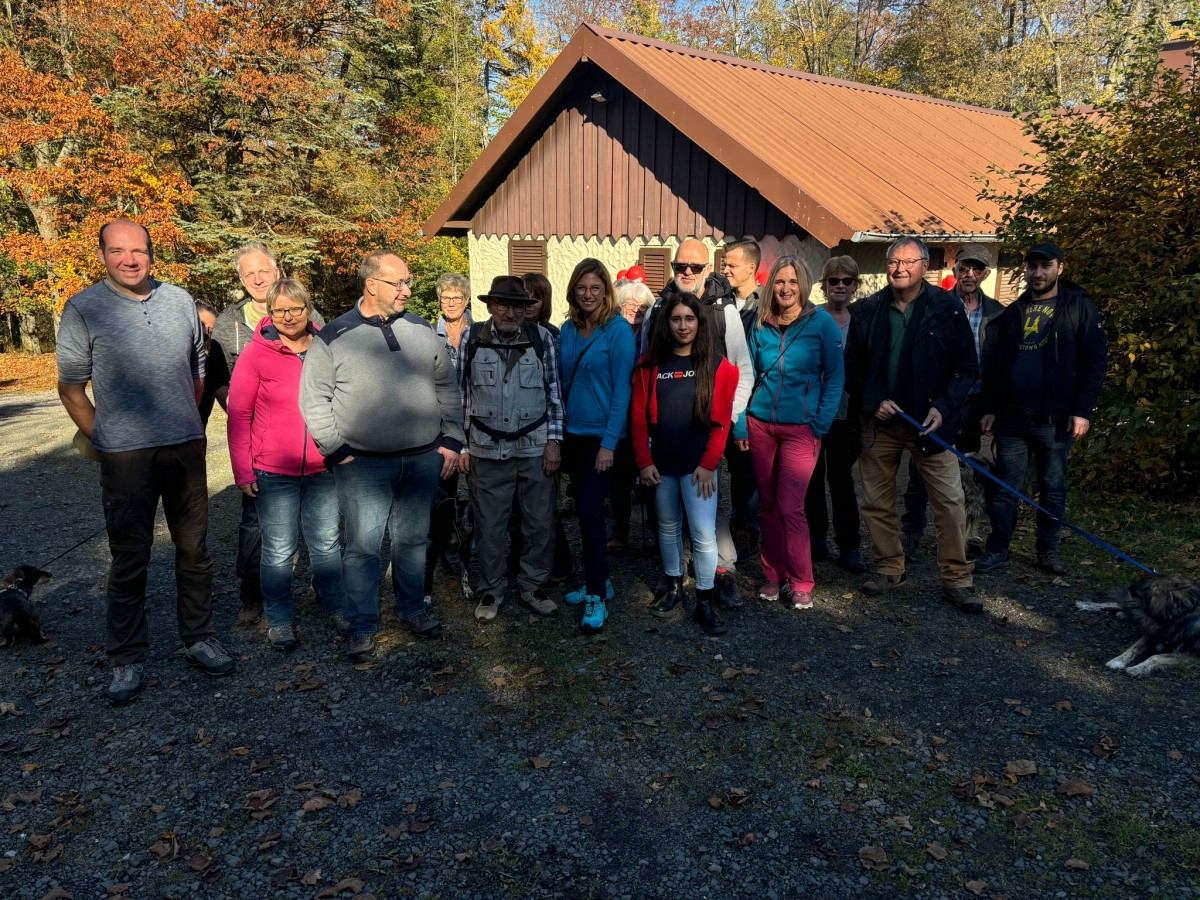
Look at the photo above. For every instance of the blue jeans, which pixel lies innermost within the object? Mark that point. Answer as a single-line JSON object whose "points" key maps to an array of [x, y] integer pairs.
{"points": [[675, 494], [286, 505], [1016, 440], [393, 493]]}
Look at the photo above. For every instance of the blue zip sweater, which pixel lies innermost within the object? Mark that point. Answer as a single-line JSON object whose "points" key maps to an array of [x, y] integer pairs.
{"points": [[798, 373], [597, 401]]}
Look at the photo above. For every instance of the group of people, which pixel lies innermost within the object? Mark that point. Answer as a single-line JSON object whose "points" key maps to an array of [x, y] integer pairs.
{"points": [[345, 431]]}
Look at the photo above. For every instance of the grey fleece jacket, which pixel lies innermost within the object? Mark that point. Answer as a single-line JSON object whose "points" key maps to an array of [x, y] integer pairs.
{"points": [[375, 387]]}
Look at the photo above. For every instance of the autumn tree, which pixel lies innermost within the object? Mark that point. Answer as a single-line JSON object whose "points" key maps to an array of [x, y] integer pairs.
{"points": [[1116, 186]]}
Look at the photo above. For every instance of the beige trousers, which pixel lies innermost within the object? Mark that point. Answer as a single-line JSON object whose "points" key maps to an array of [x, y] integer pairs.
{"points": [[879, 465]]}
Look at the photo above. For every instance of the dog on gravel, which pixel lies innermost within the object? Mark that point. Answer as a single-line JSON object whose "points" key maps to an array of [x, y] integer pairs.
{"points": [[451, 530], [978, 491], [1167, 611], [17, 612]]}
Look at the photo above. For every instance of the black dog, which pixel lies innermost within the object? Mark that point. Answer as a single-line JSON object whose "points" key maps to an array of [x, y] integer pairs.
{"points": [[17, 615], [1167, 610], [451, 527]]}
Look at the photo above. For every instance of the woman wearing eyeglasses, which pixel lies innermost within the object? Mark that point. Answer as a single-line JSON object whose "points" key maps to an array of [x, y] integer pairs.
{"points": [[276, 461], [842, 443], [796, 353], [597, 363]]}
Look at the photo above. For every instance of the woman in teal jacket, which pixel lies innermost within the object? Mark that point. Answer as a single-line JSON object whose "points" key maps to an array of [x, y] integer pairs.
{"points": [[597, 352], [796, 353]]}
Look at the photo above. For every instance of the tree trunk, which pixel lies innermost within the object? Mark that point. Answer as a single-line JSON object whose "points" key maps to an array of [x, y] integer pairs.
{"points": [[30, 343]]}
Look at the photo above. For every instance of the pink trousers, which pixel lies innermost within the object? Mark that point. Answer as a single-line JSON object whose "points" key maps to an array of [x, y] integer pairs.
{"points": [[784, 457]]}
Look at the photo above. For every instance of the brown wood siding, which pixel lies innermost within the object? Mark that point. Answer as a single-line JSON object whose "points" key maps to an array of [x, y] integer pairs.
{"points": [[618, 169]]}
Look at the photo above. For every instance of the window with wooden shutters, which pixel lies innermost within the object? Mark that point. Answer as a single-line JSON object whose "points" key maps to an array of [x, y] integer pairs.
{"points": [[718, 260], [937, 263], [657, 263], [526, 258], [1010, 277]]}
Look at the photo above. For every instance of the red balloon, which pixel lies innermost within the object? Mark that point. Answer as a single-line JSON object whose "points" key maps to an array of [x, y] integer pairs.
{"points": [[949, 282], [636, 273], [760, 277], [624, 273]]}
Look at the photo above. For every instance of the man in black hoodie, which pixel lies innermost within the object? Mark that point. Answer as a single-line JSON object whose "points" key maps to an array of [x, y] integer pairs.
{"points": [[1041, 386]]}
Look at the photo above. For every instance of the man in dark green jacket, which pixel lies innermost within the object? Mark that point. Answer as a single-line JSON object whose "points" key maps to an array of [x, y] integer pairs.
{"points": [[910, 349]]}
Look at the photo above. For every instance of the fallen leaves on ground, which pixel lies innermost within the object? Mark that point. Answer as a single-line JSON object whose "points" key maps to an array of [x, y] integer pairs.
{"points": [[24, 372], [540, 762], [874, 858], [1020, 767], [1076, 787], [352, 885], [1106, 747], [976, 887], [936, 851], [1077, 865]]}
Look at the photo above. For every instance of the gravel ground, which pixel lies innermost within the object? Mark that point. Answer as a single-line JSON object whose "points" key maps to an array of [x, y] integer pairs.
{"points": [[863, 749]]}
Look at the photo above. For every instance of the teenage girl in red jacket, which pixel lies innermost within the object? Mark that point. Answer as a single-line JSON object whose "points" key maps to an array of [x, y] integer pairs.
{"points": [[682, 406]]}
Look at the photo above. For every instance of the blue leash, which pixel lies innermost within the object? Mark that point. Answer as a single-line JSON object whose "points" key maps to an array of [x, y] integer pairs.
{"points": [[1103, 545]]}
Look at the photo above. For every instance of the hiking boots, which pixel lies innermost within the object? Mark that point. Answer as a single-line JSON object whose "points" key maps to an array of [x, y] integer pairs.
{"points": [[210, 656], [991, 561], [282, 637], [251, 611], [820, 551], [360, 647], [538, 603], [424, 625], [964, 598], [852, 561], [704, 615], [126, 684], [580, 594], [668, 596], [729, 594], [488, 608], [882, 584], [1050, 562], [595, 614], [339, 623]]}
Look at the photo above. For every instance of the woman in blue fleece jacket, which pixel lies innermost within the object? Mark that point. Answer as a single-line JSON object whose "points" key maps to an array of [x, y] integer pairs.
{"points": [[597, 352], [796, 354]]}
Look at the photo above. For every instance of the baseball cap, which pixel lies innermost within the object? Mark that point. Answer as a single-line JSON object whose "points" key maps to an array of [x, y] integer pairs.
{"points": [[974, 252], [1045, 251]]}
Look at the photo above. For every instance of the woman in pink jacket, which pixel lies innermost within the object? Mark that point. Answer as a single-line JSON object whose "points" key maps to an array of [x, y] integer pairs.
{"points": [[276, 461]]}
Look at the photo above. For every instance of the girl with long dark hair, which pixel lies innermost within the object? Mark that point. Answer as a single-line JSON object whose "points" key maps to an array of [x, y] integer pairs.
{"points": [[682, 406]]}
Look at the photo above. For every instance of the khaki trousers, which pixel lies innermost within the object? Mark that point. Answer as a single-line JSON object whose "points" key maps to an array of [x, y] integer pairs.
{"points": [[879, 465]]}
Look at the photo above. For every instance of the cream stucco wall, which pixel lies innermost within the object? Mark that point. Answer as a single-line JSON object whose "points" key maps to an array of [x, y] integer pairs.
{"points": [[489, 258]]}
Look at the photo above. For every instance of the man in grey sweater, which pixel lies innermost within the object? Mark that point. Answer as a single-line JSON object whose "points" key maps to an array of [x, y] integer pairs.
{"points": [[146, 426], [381, 401]]}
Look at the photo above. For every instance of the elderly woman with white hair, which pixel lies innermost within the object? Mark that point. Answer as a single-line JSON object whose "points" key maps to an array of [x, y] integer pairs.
{"points": [[633, 299]]}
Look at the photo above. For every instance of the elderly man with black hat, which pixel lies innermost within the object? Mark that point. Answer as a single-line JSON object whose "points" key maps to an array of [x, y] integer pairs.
{"points": [[972, 264], [512, 408], [1041, 385]]}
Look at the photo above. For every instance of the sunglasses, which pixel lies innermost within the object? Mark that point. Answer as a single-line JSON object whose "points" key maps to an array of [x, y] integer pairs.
{"points": [[846, 280], [688, 268]]}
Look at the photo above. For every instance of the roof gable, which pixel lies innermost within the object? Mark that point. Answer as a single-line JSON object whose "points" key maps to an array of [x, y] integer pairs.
{"points": [[840, 158]]}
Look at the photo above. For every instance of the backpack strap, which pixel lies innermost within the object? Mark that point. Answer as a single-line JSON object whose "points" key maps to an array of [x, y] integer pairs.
{"points": [[533, 337]]}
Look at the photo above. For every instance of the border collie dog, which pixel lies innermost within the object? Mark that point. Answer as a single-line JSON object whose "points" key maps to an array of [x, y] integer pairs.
{"points": [[1166, 610]]}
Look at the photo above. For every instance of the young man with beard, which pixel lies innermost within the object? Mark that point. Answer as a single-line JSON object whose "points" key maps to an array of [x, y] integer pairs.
{"points": [[1041, 386]]}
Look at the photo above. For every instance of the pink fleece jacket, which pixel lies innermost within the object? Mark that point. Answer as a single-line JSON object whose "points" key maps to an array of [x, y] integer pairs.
{"points": [[266, 430]]}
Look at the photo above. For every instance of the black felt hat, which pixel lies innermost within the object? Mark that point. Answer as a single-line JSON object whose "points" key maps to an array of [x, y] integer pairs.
{"points": [[509, 289]]}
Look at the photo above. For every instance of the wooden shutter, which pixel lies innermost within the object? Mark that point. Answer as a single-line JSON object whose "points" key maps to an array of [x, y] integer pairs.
{"points": [[718, 260], [526, 258], [1010, 277], [937, 264], [657, 263]]}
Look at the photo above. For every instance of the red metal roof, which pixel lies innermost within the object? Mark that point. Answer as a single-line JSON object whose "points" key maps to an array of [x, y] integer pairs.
{"points": [[839, 158]]}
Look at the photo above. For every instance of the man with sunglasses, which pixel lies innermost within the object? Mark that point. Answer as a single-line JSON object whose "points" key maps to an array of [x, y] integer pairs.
{"points": [[910, 349], [257, 270], [693, 275], [972, 265], [380, 398]]}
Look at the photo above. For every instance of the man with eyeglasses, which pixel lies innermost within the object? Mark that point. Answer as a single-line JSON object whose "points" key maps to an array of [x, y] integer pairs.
{"points": [[691, 268], [140, 343], [380, 398], [1041, 385], [972, 265], [513, 414], [257, 270], [910, 349]]}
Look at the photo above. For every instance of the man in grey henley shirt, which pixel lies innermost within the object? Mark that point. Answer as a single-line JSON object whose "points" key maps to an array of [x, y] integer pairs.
{"points": [[140, 343], [380, 398]]}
